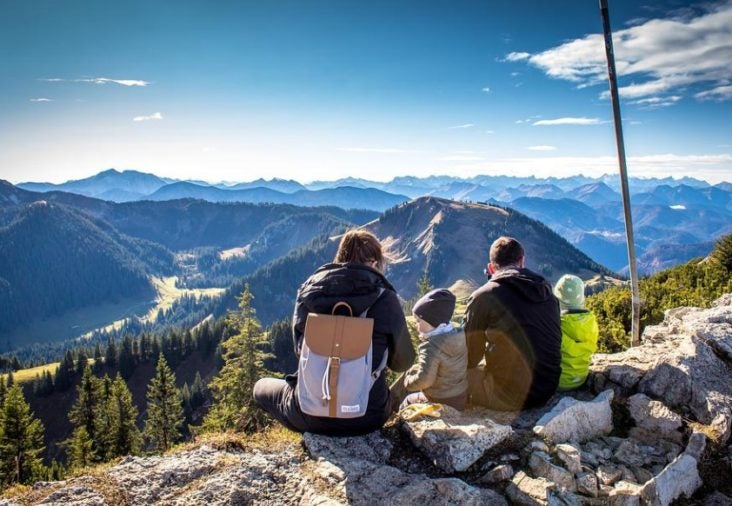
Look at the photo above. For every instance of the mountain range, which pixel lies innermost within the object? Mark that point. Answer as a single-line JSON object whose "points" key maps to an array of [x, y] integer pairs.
{"points": [[447, 240], [674, 219], [274, 247]]}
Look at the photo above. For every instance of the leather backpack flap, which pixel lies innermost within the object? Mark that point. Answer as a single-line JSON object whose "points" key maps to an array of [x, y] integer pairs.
{"points": [[345, 337]]}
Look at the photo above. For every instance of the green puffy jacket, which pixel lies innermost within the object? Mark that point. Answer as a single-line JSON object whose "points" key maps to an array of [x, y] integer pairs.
{"points": [[579, 342]]}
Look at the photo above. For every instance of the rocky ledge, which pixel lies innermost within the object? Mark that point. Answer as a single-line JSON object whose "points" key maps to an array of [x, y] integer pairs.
{"points": [[652, 426]]}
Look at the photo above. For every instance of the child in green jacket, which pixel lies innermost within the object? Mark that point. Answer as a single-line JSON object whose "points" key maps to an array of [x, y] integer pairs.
{"points": [[579, 332]]}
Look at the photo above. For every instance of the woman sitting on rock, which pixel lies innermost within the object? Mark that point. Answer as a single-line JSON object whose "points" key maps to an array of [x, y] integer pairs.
{"points": [[355, 277]]}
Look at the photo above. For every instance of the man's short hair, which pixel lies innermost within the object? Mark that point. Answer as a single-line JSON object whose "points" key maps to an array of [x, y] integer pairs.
{"points": [[506, 251]]}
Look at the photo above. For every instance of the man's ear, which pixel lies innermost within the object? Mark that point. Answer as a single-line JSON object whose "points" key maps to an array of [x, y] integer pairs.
{"points": [[522, 262], [491, 268]]}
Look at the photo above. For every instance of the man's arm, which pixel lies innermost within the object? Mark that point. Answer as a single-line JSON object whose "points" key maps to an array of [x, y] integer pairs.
{"points": [[476, 321]]}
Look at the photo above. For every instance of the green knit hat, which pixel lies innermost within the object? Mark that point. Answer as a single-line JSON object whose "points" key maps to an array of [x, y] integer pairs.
{"points": [[570, 290]]}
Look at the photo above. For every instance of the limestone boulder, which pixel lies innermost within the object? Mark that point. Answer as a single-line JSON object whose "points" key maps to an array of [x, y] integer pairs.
{"points": [[455, 440], [573, 420]]}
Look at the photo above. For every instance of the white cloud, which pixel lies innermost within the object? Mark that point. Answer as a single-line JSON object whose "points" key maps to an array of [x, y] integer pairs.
{"points": [[41, 99], [153, 116], [655, 102], [567, 121], [122, 82], [491, 132], [659, 55], [678, 207], [718, 93], [542, 147], [462, 158], [517, 56], [486, 89], [372, 150], [466, 125], [99, 80]]}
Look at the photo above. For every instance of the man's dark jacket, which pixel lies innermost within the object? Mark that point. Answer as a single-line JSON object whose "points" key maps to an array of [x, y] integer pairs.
{"points": [[359, 286], [514, 321]]}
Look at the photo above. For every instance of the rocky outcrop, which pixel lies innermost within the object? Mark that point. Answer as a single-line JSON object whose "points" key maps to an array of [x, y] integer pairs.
{"points": [[684, 362], [637, 435]]}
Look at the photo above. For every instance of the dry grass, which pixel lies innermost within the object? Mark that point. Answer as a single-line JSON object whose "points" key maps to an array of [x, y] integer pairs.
{"points": [[273, 439]]}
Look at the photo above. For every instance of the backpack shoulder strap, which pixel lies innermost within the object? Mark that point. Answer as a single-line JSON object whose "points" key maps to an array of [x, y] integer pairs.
{"points": [[381, 292]]}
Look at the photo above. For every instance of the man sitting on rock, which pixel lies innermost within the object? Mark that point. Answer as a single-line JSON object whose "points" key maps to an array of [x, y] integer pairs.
{"points": [[513, 322]]}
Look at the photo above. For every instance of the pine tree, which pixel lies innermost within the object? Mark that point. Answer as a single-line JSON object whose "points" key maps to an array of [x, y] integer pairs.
{"points": [[123, 435], [21, 440], [98, 359], [198, 391], [86, 410], [126, 357], [424, 285], [164, 408], [81, 361], [243, 366], [80, 448], [110, 354], [3, 390], [723, 252]]}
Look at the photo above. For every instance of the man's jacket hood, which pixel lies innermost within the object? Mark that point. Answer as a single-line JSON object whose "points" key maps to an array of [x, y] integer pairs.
{"points": [[530, 285]]}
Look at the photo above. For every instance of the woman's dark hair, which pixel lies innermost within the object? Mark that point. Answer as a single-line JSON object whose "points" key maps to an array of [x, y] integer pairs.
{"points": [[361, 247]]}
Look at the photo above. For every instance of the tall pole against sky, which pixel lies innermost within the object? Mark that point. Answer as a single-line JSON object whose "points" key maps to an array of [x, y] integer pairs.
{"points": [[615, 100]]}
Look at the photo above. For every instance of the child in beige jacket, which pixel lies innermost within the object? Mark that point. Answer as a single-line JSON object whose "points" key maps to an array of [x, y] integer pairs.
{"points": [[440, 374]]}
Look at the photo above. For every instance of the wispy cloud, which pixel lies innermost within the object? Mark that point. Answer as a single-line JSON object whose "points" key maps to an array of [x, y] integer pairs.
{"points": [[41, 99], [466, 125], [718, 93], [486, 89], [689, 52], [151, 117], [655, 102], [541, 147], [372, 150], [99, 80], [462, 158], [516, 56], [567, 121], [490, 132]]}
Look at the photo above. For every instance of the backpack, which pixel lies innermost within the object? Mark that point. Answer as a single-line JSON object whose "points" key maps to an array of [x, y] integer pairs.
{"points": [[334, 371]]}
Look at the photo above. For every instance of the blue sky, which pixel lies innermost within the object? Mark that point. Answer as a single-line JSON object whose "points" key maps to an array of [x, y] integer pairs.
{"points": [[233, 91]]}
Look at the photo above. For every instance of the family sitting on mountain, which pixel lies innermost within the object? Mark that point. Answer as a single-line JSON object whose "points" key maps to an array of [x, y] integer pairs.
{"points": [[520, 341]]}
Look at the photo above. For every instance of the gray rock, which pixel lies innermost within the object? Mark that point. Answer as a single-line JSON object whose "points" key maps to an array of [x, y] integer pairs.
{"points": [[717, 499], [498, 474], [627, 475], [680, 478], [573, 420], [609, 475], [625, 494], [589, 458], [642, 475], [455, 440], [587, 484], [630, 454], [528, 491], [696, 445], [563, 497], [373, 447], [570, 457], [541, 465], [654, 416], [537, 446]]}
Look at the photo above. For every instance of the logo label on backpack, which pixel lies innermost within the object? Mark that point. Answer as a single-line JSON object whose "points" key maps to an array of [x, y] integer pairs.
{"points": [[351, 409]]}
